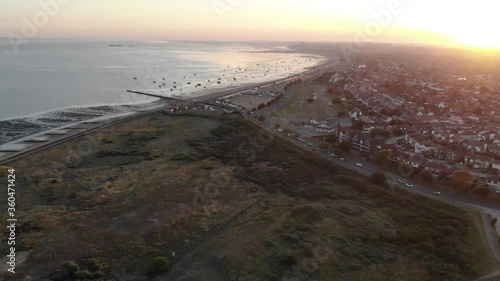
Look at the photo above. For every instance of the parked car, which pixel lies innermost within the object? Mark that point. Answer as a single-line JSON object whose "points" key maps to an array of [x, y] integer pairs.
{"points": [[359, 164], [437, 193], [408, 185], [341, 158]]}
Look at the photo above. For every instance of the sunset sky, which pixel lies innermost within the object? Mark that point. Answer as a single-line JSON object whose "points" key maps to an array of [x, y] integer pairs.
{"points": [[469, 23]]}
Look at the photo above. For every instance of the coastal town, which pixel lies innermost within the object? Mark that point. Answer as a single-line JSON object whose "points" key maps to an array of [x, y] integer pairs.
{"points": [[430, 120]]}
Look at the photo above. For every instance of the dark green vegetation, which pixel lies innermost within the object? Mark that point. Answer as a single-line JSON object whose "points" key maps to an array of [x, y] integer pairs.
{"points": [[234, 203]]}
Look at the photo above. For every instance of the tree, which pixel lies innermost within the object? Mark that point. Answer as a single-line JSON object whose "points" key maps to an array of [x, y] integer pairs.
{"points": [[261, 106], [385, 134], [384, 157], [261, 118], [426, 176], [375, 132], [336, 101], [310, 100], [341, 114], [277, 126], [324, 146], [405, 169], [461, 179], [345, 146]]}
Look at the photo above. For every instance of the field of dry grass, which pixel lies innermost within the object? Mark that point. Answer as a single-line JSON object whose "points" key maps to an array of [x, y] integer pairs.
{"points": [[223, 200]]}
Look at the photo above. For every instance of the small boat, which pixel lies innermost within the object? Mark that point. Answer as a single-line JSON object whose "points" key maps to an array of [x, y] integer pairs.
{"points": [[135, 78]]}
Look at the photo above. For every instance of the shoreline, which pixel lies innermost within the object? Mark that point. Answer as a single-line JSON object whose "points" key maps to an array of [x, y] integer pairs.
{"points": [[28, 145]]}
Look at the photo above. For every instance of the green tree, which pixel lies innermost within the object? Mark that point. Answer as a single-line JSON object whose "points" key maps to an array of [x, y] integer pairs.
{"points": [[385, 134], [384, 157], [261, 118], [461, 179], [426, 176], [374, 133], [405, 169]]}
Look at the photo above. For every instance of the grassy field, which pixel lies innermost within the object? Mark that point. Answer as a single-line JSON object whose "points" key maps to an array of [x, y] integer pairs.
{"points": [[300, 108], [221, 199]]}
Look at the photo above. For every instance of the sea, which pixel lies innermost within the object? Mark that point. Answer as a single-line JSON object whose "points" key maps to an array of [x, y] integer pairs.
{"points": [[51, 83]]}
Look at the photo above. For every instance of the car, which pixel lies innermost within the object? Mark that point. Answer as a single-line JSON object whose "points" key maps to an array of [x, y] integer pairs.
{"points": [[437, 193], [359, 164], [333, 155], [408, 185], [310, 144], [402, 181], [341, 158]]}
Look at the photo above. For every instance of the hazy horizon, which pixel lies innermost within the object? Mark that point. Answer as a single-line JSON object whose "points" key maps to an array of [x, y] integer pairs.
{"points": [[464, 24]]}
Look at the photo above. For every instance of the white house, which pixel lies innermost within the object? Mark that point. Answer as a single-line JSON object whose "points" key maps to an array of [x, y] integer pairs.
{"points": [[493, 182]]}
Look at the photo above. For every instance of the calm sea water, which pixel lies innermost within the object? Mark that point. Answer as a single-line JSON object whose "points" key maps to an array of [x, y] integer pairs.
{"points": [[51, 83]]}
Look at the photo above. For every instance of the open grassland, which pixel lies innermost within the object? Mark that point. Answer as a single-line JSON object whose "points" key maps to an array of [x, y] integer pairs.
{"points": [[299, 107], [234, 203]]}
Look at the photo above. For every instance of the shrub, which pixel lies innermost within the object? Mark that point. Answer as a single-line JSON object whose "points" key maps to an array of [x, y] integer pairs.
{"points": [[83, 275], [159, 265], [71, 266]]}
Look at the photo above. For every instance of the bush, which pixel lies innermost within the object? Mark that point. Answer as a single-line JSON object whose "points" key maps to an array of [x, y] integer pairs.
{"points": [[71, 267], [83, 275], [159, 265]]}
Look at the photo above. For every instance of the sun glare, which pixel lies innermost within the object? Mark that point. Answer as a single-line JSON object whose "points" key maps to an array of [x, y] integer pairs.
{"points": [[474, 27]]}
